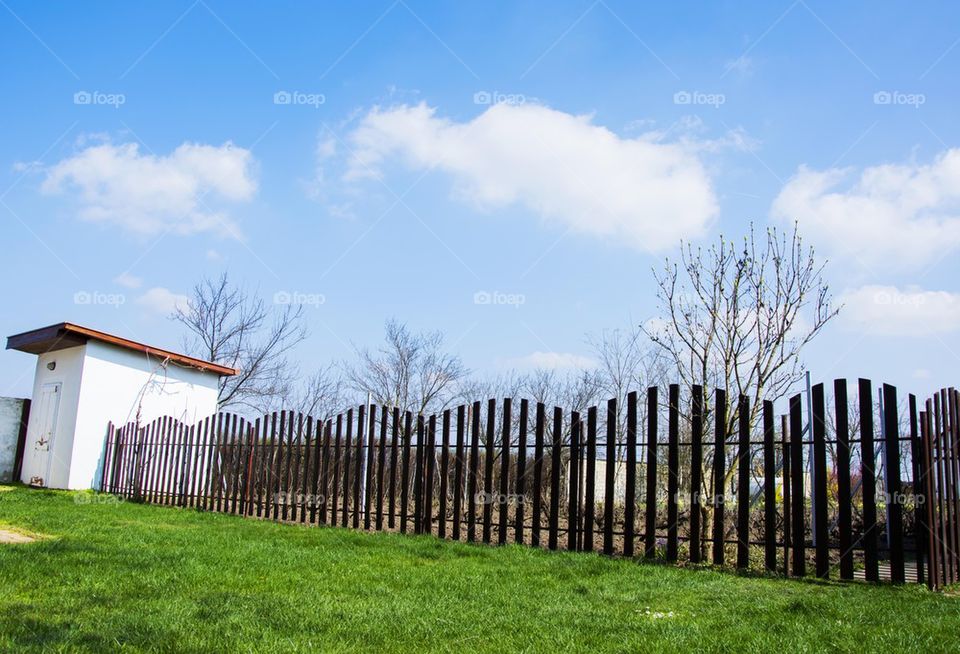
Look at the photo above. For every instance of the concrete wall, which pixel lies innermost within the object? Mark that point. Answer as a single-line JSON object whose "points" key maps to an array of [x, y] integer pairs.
{"points": [[103, 383], [11, 413]]}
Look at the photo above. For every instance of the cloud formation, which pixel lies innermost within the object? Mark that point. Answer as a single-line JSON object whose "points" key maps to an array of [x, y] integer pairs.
{"points": [[162, 301], [891, 311], [552, 361], [149, 194], [643, 191], [904, 216]]}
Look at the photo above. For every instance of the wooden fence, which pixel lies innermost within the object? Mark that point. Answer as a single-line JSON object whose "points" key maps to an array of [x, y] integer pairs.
{"points": [[844, 493]]}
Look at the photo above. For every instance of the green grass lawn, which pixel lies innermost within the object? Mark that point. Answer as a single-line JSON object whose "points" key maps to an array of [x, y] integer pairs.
{"points": [[125, 576]]}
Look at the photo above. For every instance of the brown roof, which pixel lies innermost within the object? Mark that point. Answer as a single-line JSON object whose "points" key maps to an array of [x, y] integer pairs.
{"points": [[65, 334]]}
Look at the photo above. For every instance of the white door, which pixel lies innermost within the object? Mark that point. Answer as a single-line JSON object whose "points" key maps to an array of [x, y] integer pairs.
{"points": [[43, 429]]}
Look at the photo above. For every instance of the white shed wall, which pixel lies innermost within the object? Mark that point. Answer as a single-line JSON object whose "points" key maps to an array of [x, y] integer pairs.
{"points": [[117, 385]]}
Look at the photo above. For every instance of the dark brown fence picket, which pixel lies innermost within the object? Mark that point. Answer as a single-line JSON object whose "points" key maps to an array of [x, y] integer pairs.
{"points": [[537, 474], [504, 505], [630, 483], [555, 456], [769, 490], [474, 472], [822, 546], [696, 472], [743, 482], [521, 473], [673, 471], [444, 474], [798, 510], [490, 450], [650, 518], [458, 466], [590, 500], [573, 485], [868, 482], [894, 490], [719, 472]]}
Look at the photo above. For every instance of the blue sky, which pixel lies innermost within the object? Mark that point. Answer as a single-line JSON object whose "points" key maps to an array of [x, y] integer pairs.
{"points": [[398, 158]]}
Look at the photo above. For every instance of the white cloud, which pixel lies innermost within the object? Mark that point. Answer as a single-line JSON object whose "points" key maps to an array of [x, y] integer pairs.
{"points": [[643, 191], [162, 301], [128, 280], [910, 312], [148, 194], [900, 215], [552, 361]]}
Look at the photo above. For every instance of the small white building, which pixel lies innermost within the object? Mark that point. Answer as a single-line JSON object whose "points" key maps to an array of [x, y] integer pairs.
{"points": [[86, 379]]}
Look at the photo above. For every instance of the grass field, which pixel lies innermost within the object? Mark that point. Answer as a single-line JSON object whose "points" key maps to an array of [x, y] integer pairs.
{"points": [[107, 576]]}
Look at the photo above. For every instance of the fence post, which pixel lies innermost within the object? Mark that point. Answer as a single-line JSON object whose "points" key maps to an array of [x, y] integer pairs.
{"points": [[405, 470], [919, 513], [796, 457], [650, 522], [474, 472], [521, 472], [630, 490], [107, 460], [430, 460], [929, 487], [444, 473], [845, 501], [952, 435], [743, 483], [394, 462], [696, 471], [537, 474], [673, 470], [335, 480], [418, 479], [503, 514], [369, 463], [719, 472], [894, 488], [381, 463], [769, 490], [820, 482], [787, 499], [868, 483], [555, 454], [458, 471], [610, 470], [590, 494], [488, 469], [573, 510]]}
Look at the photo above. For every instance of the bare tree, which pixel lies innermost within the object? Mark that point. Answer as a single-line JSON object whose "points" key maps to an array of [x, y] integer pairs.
{"points": [[737, 317], [411, 371], [228, 325]]}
